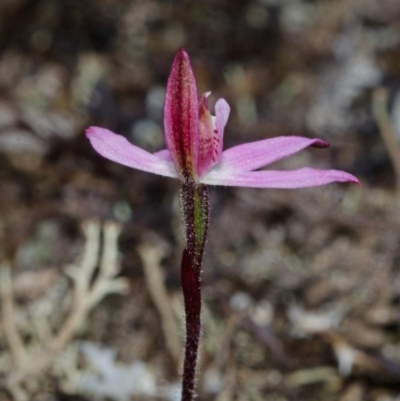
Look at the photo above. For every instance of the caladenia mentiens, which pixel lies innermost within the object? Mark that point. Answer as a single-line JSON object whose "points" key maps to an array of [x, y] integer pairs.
{"points": [[193, 154]]}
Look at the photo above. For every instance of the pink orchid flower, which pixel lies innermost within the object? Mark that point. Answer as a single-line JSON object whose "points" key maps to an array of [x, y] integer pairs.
{"points": [[194, 141]]}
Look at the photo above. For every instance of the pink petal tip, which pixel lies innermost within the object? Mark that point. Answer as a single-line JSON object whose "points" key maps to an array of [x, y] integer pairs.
{"points": [[319, 143]]}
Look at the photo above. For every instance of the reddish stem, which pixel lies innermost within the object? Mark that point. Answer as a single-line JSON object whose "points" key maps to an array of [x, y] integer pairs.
{"points": [[192, 297], [194, 201]]}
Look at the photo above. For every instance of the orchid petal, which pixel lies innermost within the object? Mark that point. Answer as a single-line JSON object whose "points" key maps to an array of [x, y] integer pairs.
{"points": [[254, 155], [222, 111], [118, 149], [164, 154], [304, 177], [181, 116]]}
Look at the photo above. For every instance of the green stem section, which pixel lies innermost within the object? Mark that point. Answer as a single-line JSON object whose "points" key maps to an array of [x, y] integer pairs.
{"points": [[194, 201]]}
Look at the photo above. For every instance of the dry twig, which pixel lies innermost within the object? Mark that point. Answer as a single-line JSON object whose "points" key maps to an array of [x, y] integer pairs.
{"points": [[13, 338], [383, 120], [151, 257], [86, 295]]}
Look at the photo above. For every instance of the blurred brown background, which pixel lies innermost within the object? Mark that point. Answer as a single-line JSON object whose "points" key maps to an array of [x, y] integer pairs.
{"points": [[301, 287]]}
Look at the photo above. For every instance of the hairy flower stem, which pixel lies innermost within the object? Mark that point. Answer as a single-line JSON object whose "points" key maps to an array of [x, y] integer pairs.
{"points": [[194, 201]]}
